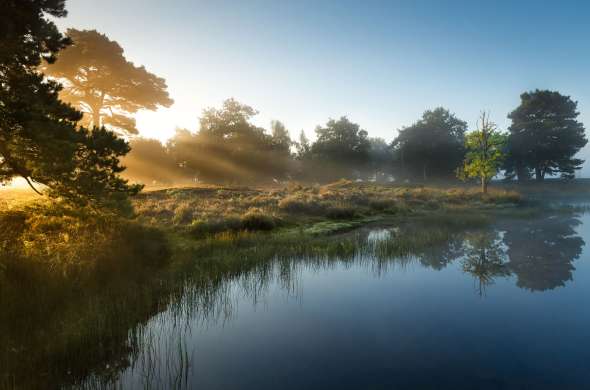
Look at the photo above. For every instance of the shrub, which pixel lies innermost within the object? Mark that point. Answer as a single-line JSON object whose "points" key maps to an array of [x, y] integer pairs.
{"points": [[302, 205], [381, 204], [256, 219], [206, 227], [341, 212]]}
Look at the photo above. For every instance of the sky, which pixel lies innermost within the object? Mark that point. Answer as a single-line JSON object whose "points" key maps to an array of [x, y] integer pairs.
{"points": [[380, 63]]}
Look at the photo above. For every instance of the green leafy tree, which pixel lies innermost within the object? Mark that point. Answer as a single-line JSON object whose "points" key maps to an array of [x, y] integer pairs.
{"points": [[432, 147], [103, 84], [39, 137], [545, 136], [484, 152]]}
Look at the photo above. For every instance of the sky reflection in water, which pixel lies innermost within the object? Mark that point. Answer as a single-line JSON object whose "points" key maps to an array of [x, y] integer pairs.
{"points": [[501, 307]]}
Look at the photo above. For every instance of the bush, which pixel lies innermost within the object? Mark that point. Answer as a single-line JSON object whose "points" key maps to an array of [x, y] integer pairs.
{"points": [[302, 205], [206, 227], [341, 212], [255, 219], [381, 204]]}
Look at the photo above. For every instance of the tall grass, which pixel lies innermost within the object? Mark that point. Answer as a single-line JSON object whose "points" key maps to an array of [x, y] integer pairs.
{"points": [[210, 210]]}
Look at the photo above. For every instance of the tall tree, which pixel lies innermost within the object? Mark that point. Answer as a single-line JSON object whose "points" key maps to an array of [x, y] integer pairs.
{"points": [[39, 137], [342, 147], [103, 84], [341, 140], [432, 147], [545, 135], [484, 152]]}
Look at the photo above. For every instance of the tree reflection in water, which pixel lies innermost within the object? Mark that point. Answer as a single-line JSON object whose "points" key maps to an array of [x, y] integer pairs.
{"points": [[541, 251], [484, 258], [144, 332]]}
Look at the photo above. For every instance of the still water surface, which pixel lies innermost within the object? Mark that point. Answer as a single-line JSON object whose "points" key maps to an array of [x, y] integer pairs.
{"points": [[505, 307]]}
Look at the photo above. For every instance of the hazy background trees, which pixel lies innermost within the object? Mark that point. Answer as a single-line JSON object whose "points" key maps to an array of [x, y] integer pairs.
{"points": [[341, 150], [228, 148], [103, 84], [76, 153], [431, 148]]}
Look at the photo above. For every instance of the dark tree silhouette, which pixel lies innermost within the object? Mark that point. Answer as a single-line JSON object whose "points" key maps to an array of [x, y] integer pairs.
{"points": [[432, 147], [39, 140], [340, 150], [545, 136], [341, 140], [106, 87]]}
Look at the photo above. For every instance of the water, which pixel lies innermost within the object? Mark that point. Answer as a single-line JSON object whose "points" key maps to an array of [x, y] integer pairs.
{"points": [[501, 307]]}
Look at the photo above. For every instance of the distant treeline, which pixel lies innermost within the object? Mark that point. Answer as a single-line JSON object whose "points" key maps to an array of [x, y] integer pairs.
{"points": [[67, 119], [542, 140]]}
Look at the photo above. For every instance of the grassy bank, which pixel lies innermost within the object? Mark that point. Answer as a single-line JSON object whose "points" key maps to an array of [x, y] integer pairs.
{"points": [[77, 287], [67, 327], [208, 210], [69, 240]]}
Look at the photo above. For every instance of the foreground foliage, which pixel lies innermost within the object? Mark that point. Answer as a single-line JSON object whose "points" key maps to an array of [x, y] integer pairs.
{"points": [[40, 140]]}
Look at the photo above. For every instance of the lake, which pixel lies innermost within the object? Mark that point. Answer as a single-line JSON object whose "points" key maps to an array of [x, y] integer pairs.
{"points": [[498, 307]]}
